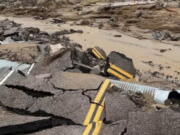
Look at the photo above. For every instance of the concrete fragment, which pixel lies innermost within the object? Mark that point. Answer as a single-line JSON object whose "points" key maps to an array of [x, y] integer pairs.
{"points": [[76, 81], [55, 48], [120, 60]]}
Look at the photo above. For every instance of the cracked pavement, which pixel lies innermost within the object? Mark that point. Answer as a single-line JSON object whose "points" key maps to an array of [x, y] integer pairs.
{"points": [[64, 108]]}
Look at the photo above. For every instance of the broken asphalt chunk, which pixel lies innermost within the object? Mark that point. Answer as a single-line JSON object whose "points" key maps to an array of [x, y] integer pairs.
{"points": [[16, 124], [118, 105], [34, 84], [60, 61], [120, 66], [71, 105], [98, 52], [63, 130], [165, 122], [11, 32], [13, 98], [76, 81]]}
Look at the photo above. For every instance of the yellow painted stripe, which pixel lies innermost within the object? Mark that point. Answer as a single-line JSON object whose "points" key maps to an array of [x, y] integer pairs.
{"points": [[116, 74], [99, 53], [89, 114], [121, 71], [97, 128], [96, 54], [99, 112], [97, 99], [102, 90], [87, 130]]}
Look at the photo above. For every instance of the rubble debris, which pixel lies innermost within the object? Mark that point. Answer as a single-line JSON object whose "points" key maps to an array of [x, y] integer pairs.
{"points": [[71, 31], [162, 35], [22, 52], [98, 52], [44, 50], [17, 33], [120, 66], [57, 21], [84, 57], [122, 61], [165, 50], [60, 61], [118, 36], [110, 66]]}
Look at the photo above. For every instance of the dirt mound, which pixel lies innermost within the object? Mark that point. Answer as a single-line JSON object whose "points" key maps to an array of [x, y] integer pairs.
{"points": [[19, 52]]}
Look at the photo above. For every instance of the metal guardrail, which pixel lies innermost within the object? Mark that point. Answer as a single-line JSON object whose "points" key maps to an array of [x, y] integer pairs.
{"points": [[7, 68], [159, 95]]}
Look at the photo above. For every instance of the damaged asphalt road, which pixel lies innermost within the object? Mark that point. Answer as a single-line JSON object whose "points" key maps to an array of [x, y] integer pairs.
{"points": [[64, 111], [70, 86], [56, 97], [115, 122]]}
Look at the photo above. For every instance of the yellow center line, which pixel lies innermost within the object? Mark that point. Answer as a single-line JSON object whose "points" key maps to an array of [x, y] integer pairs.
{"points": [[89, 114], [98, 53], [87, 130], [99, 112], [102, 90], [96, 120], [97, 99], [116, 74], [97, 128], [121, 71]]}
